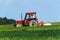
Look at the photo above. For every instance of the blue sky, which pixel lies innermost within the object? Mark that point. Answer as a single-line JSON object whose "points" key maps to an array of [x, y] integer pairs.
{"points": [[47, 10]]}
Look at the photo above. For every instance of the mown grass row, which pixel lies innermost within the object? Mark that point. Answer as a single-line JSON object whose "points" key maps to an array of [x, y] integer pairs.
{"points": [[39, 33], [12, 28], [32, 33]]}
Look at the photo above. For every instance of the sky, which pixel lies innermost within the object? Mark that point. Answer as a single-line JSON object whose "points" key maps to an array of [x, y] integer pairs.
{"points": [[47, 10]]}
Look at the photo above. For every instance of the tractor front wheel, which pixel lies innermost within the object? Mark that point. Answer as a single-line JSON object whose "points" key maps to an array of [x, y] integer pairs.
{"points": [[33, 23], [19, 25]]}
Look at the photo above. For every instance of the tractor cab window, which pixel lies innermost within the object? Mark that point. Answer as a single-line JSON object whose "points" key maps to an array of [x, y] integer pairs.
{"points": [[32, 16], [29, 16], [26, 16]]}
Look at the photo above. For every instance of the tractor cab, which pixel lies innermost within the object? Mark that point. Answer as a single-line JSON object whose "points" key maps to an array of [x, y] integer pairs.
{"points": [[30, 16]]}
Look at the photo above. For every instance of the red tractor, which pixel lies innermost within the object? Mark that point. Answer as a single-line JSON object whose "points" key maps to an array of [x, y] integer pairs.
{"points": [[29, 20]]}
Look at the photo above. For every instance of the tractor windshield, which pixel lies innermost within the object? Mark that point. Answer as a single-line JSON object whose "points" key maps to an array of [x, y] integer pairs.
{"points": [[30, 16]]}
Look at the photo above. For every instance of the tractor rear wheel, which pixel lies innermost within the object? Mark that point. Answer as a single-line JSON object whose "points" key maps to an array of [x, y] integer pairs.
{"points": [[19, 25], [33, 23]]}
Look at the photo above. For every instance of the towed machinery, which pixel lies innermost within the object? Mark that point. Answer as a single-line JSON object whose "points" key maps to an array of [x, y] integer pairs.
{"points": [[29, 20]]}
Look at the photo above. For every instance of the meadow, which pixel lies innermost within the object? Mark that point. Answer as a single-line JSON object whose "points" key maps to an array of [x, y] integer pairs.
{"points": [[9, 32]]}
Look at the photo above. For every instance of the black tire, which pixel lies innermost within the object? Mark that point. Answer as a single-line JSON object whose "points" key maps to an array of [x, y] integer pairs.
{"points": [[14, 25], [33, 23]]}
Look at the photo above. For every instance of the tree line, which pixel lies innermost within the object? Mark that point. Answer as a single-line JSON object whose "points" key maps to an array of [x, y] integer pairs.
{"points": [[5, 20]]}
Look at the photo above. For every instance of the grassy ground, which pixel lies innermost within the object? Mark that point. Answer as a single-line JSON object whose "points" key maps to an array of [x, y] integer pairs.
{"points": [[8, 32]]}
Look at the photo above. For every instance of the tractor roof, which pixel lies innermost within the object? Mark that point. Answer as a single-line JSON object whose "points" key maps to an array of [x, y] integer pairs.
{"points": [[30, 12]]}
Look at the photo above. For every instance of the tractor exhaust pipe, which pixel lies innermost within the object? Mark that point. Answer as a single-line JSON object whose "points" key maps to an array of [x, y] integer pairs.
{"points": [[21, 16]]}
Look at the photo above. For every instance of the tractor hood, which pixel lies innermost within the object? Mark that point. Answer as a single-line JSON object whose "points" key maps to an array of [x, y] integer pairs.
{"points": [[19, 21]]}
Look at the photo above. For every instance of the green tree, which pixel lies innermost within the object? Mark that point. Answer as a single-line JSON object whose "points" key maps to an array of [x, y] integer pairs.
{"points": [[5, 20]]}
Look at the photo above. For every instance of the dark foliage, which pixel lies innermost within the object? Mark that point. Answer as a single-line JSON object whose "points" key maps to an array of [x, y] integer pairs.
{"points": [[5, 20]]}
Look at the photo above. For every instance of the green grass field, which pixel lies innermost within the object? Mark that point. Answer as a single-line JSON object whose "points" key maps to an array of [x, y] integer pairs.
{"points": [[8, 32]]}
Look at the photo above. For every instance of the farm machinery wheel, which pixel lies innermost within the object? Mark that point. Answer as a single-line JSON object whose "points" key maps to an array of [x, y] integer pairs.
{"points": [[33, 23], [19, 25]]}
